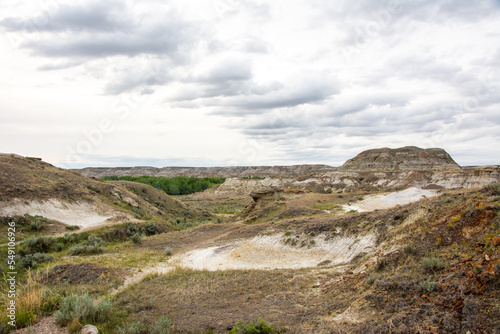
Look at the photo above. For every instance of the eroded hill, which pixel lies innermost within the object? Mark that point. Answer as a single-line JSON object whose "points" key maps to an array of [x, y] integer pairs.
{"points": [[378, 168], [31, 186]]}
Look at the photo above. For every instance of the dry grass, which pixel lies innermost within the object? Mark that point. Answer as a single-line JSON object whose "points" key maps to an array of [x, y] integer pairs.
{"points": [[199, 300], [33, 299]]}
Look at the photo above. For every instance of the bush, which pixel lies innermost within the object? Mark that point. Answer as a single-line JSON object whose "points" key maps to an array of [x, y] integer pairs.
{"points": [[493, 189], [427, 286], [168, 251], [432, 264], [93, 245], [179, 185], [71, 238], [132, 229], [410, 249], [161, 326], [37, 225], [33, 260], [72, 227], [250, 328], [373, 278], [151, 228], [43, 244], [83, 309], [133, 328], [136, 238]]}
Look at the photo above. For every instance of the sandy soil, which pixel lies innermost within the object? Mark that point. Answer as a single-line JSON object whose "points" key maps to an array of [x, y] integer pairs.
{"points": [[45, 326], [270, 252], [81, 214], [391, 200]]}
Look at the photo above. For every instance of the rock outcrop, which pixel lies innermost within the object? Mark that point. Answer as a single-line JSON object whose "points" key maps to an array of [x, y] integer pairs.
{"points": [[233, 171], [401, 159], [403, 167]]}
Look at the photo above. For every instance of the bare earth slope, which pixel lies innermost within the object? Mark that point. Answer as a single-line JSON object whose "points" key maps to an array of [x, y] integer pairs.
{"points": [[31, 186]]}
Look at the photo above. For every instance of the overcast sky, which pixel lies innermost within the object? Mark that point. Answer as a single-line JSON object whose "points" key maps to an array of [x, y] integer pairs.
{"points": [[226, 82]]}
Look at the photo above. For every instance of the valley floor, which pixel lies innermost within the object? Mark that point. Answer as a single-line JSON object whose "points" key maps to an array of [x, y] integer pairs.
{"points": [[409, 262]]}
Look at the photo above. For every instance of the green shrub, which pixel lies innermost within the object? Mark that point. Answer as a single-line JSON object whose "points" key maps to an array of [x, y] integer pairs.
{"points": [[179, 185], [37, 225], [168, 251], [161, 326], [151, 228], [43, 244], [72, 227], [132, 229], [83, 309], [432, 264], [134, 328], [427, 286], [493, 189], [410, 248], [33, 260], [186, 225], [373, 278], [71, 238], [250, 328], [136, 238], [93, 245]]}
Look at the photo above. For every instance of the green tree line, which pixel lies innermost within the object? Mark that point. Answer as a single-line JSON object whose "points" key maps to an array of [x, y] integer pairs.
{"points": [[178, 185]]}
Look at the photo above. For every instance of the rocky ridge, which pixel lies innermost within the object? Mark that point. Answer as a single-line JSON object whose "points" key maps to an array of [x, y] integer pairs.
{"points": [[398, 168], [400, 159]]}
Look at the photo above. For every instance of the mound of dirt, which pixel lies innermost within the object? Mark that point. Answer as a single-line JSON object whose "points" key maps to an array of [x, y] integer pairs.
{"points": [[83, 273]]}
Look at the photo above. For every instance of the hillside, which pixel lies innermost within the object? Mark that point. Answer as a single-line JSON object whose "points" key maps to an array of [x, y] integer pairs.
{"points": [[31, 186], [401, 159], [338, 251], [234, 171], [378, 169]]}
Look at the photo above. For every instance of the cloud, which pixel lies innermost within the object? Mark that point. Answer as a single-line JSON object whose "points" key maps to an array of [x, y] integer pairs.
{"points": [[92, 17], [295, 77]]}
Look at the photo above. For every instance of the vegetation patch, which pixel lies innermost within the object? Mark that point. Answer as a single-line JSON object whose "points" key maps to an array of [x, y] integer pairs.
{"points": [[179, 185], [82, 309], [93, 245]]}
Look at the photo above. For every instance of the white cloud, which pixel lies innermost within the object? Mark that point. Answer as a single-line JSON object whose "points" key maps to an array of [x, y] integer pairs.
{"points": [[240, 82]]}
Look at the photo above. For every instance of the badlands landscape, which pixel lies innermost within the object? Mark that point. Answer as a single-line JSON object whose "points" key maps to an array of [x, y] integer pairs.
{"points": [[393, 241]]}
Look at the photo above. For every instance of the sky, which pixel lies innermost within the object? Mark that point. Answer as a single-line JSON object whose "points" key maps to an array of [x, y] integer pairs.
{"points": [[227, 82]]}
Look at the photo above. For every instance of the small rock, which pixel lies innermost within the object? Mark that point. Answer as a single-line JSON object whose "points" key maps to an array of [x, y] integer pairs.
{"points": [[89, 329], [496, 241], [486, 257]]}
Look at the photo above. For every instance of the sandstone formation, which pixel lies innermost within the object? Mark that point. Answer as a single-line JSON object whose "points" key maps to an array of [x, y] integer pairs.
{"points": [[400, 159], [233, 171], [398, 168]]}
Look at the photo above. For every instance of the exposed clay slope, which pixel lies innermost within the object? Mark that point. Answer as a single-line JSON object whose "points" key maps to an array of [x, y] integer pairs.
{"points": [[433, 267], [380, 168], [399, 159], [339, 181], [29, 185]]}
